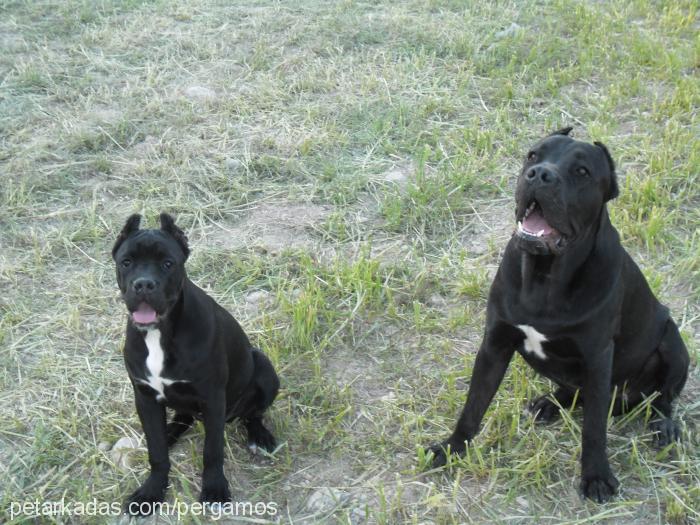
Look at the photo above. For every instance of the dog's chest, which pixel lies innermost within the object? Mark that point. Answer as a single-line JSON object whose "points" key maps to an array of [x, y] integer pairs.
{"points": [[534, 340], [155, 363]]}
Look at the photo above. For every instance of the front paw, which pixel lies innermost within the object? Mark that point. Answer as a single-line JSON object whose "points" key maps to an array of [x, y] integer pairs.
{"points": [[666, 431], [215, 491], [441, 451], [543, 409], [599, 488], [143, 500]]}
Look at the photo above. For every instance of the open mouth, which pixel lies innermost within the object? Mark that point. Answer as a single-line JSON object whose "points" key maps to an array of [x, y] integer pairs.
{"points": [[144, 314], [534, 226]]}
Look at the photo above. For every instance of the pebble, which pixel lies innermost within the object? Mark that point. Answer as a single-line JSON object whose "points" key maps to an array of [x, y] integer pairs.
{"points": [[122, 451], [508, 31], [200, 93], [326, 499]]}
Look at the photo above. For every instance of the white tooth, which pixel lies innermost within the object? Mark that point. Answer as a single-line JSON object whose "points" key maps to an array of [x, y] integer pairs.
{"points": [[520, 226], [540, 233]]}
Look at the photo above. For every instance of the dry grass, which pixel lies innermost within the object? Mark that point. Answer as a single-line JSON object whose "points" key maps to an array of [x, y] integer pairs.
{"points": [[344, 171]]}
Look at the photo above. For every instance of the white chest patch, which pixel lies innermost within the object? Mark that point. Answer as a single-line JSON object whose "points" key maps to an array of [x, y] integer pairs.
{"points": [[154, 365], [533, 341]]}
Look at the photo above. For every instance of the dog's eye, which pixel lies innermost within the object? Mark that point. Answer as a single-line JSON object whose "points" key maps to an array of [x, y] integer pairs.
{"points": [[126, 263], [531, 156], [167, 264], [582, 171]]}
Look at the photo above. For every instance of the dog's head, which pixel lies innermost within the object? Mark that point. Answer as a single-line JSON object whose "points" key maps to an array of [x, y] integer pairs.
{"points": [[150, 268], [561, 191]]}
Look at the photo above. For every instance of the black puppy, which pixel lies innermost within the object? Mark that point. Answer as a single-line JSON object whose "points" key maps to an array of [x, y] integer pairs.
{"points": [[572, 302], [186, 352]]}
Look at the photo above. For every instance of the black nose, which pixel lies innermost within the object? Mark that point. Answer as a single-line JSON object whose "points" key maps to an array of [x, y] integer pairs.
{"points": [[541, 174], [144, 285]]}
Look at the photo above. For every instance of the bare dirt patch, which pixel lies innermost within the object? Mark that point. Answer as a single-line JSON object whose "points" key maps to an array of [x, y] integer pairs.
{"points": [[365, 142], [492, 225], [272, 227]]}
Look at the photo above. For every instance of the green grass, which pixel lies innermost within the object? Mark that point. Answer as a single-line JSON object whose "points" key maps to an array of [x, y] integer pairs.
{"points": [[347, 191]]}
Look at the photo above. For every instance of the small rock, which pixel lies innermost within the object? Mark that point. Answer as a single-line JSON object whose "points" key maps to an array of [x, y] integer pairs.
{"points": [[146, 146], [122, 450], [103, 446], [200, 93], [126, 442], [257, 297], [257, 301], [107, 115], [396, 176], [233, 164], [508, 31], [326, 499], [437, 300], [388, 398], [359, 515]]}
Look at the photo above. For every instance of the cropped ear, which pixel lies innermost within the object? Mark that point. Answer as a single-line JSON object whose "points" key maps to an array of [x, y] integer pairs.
{"points": [[563, 131], [131, 226], [167, 224], [613, 190]]}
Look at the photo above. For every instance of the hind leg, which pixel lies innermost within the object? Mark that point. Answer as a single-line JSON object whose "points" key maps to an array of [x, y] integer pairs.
{"points": [[266, 385], [545, 410], [178, 426], [671, 375]]}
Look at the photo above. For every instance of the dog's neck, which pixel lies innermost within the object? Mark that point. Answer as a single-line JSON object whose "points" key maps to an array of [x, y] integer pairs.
{"points": [[548, 278]]}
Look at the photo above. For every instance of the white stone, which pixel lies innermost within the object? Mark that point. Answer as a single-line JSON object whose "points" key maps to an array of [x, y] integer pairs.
{"points": [[396, 176], [126, 443], [257, 297], [326, 499], [122, 450], [200, 93]]}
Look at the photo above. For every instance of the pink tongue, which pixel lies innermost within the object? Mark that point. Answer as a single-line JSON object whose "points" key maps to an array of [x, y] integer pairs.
{"points": [[535, 222], [144, 315]]}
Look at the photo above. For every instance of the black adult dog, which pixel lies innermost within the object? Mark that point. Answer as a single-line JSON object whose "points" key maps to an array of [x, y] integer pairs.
{"points": [[186, 352], [572, 302]]}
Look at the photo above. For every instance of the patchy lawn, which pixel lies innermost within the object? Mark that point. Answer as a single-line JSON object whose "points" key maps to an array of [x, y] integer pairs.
{"points": [[344, 171]]}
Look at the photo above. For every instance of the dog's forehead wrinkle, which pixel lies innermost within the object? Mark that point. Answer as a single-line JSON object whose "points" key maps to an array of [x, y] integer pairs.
{"points": [[155, 245], [572, 149]]}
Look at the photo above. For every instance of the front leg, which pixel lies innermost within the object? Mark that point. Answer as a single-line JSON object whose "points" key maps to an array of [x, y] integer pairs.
{"points": [[597, 480], [214, 484], [491, 363], [152, 416]]}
